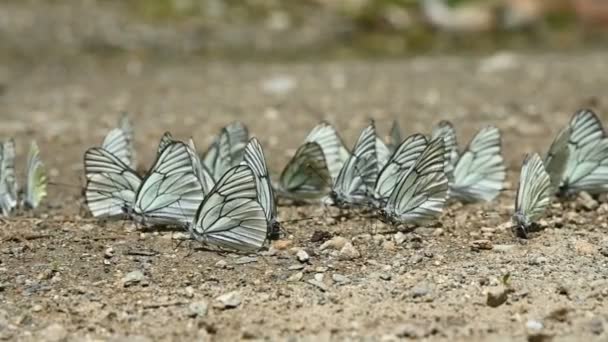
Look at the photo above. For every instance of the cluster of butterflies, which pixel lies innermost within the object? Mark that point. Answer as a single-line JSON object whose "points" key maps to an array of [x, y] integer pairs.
{"points": [[11, 196], [225, 197]]}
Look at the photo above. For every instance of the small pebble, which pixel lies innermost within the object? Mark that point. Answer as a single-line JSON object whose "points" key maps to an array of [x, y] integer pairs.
{"points": [[321, 286], [198, 309], [534, 325], [497, 296], [337, 242], [340, 279], [133, 278], [296, 277], [228, 300], [221, 264], [302, 256], [349, 252]]}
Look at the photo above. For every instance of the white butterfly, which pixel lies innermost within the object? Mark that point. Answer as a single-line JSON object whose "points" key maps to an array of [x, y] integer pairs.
{"points": [[355, 182], [254, 158], [231, 217], [332, 146], [395, 136], [421, 192], [35, 186], [533, 194], [446, 131], [383, 153], [587, 167], [306, 176], [480, 171], [557, 157], [227, 149], [171, 191], [119, 142], [9, 189], [404, 157]]}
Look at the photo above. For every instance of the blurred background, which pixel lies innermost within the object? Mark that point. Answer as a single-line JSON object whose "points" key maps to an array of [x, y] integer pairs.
{"points": [[295, 29]]}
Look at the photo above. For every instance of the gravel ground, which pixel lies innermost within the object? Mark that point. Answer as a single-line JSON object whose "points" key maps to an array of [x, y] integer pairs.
{"points": [[66, 276]]}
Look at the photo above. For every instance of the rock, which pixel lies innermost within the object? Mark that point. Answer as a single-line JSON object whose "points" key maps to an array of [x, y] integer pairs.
{"points": [[337, 243], [478, 245], [228, 300], [296, 277], [559, 314], [320, 236], [385, 276], [180, 236], [340, 279], [245, 260], [319, 277], [109, 253], [388, 245], [534, 325], [415, 259], [411, 331], [438, 232], [583, 247], [198, 309], [296, 267], [536, 261], [349, 252], [596, 326], [586, 201], [399, 238], [503, 248], [282, 244], [497, 296], [302, 256], [221, 264], [133, 278], [420, 290], [604, 251], [321, 286], [53, 333]]}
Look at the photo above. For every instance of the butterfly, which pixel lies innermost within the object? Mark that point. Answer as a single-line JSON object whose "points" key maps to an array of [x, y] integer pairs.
{"points": [[336, 154], [557, 156], [533, 194], [402, 159], [254, 158], [306, 176], [355, 182], [35, 186], [227, 149], [480, 171], [230, 217], [587, 166], [383, 153], [119, 141], [420, 193], [395, 137], [9, 189], [445, 130]]}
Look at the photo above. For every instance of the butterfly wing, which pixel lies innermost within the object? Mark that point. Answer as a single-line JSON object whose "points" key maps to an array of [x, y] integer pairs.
{"points": [[356, 180], [395, 136], [124, 123], [335, 152], [117, 143], [227, 149], [587, 168], [171, 191], [111, 184], [306, 176], [421, 193], [480, 171], [230, 216], [383, 153], [165, 140], [446, 131], [9, 189], [36, 178], [254, 158], [556, 159], [533, 193], [404, 157]]}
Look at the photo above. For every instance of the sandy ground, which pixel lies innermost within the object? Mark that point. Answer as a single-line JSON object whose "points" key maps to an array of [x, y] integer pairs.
{"points": [[66, 276]]}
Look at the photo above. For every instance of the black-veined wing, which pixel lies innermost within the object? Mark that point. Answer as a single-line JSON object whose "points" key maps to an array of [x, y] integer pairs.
{"points": [[124, 123], [355, 182], [587, 168], [533, 194], [165, 140], [382, 152], [395, 136], [117, 143], [171, 191], [335, 152], [111, 184], [480, 171], [557, 156], [446, 131], [9, 188], [306, 176], [227, 149], [230, 217], [35, 186], [404, 157], [421, 193]]}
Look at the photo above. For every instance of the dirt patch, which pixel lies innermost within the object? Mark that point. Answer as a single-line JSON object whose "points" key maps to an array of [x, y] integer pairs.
{"points": [[65, 275]]}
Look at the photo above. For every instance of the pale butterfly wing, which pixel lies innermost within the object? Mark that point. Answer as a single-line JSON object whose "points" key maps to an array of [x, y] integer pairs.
{"points": [[587, 168], [171, 192], [446, 131], [227, 149], [480, 171], [230, 217], [306, 176], [124, 123], [382, 152], [254, 158], [165, 140], [335, 152], [202, 173], [421, 193], [533, 193], [117, 143], [10, 193], [4, 205], [35, 189], [111, 184], [404, 157], [557, 156], [395, 136], [356, 180]]}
